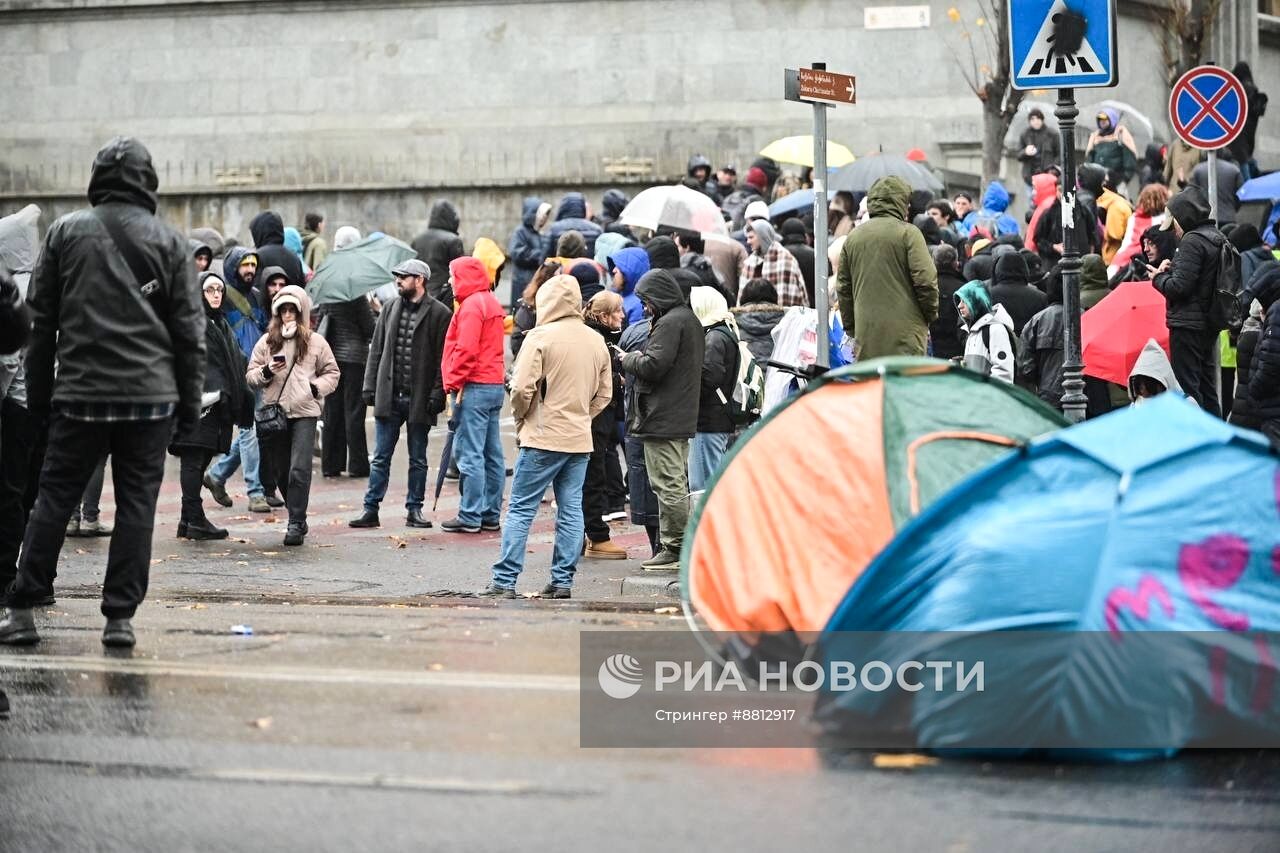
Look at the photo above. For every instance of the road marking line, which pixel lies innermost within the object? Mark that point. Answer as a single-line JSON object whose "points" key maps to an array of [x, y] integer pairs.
{"points": [[436, 680]]}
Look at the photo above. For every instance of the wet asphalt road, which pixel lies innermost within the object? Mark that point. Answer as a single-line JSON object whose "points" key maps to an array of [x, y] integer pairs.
{"points": [[455, 728]]}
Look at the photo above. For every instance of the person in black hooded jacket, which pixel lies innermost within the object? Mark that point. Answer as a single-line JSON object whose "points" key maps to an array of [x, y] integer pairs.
{"points": [[1188, 283], [439, 245], [224, 376], [1264, 369], [348, 327], [665, 416], [1011, 287], [944, 332], [612, 204], [795, 239], [571, 215], [130, 359], [267, 230]]}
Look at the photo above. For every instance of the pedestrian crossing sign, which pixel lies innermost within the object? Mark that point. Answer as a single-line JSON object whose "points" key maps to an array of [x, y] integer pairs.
{"points": [[1058, 44]]}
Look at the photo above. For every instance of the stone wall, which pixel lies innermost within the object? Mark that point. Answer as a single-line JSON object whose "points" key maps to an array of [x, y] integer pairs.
{"points": [[369, 109]]}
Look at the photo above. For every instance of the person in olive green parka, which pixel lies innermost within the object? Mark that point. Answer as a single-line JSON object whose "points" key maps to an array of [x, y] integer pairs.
{"points": [[887, 282]]}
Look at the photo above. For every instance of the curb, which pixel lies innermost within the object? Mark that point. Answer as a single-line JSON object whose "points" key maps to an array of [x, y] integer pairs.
{"points": [[663, 585]]}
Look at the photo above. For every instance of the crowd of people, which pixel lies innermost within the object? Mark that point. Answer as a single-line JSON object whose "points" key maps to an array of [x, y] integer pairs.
{"points": [[635, 356]]}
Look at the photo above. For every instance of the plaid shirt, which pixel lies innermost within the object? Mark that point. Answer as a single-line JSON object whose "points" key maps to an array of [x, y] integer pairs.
{"points": [[780, 268], [110, 412]]}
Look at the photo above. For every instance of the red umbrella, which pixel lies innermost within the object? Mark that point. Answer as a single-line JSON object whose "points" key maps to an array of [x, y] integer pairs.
{"points": [[1114, 331]]}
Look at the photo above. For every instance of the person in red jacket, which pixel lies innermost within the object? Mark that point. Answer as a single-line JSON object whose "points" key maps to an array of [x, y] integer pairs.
{"points": [[473, 371]]}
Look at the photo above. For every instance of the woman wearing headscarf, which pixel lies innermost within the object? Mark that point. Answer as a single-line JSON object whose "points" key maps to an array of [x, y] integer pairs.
{"points": [[720, 363], [226, 402], [296, 370], [771, 261]]}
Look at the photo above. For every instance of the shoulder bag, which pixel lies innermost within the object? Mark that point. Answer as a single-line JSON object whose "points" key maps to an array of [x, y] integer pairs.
{"points": [[269, 421]]}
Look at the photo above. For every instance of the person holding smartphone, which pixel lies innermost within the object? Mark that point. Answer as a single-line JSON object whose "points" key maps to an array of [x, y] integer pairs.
{"points": [[295, 369]]}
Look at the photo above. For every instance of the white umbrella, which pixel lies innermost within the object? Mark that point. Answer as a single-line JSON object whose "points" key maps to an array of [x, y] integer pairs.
{"points": [[1020, 120], [1139, 125], [675, 207]]}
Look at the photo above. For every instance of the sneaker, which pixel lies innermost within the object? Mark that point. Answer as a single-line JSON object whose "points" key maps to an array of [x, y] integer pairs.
{"points": [[605, 550], [456, 525], [665, 560], [553, 591], [273, 500], [616, 515], [18, 628], [491, 526], [118, 634], [218, 490], [259, 504], [94, 528], [368, 519], [495, 591], [73, 527]]}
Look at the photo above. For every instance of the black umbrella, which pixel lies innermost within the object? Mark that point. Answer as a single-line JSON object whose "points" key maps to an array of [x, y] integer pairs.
{"points": [[859, 175], [446, 456]]}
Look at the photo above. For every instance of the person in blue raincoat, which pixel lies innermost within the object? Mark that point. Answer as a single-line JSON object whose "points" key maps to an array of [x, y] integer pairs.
{"points": [[992, 218], [627, 267]]}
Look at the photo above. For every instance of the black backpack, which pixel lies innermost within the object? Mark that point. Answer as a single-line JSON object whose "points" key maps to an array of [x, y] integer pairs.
{"points": [[1225, 310]]}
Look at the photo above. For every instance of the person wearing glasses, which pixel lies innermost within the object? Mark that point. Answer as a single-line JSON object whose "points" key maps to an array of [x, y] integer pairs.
{"points": [[226, 402]]}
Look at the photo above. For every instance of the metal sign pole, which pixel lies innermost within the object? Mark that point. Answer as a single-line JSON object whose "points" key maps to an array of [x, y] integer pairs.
{"points": [[1074, 401], [1213, 187], [820, 231]]}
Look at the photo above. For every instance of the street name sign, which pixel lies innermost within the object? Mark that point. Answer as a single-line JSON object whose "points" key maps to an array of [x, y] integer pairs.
{"points": [[811, 84], [1062, 44]]}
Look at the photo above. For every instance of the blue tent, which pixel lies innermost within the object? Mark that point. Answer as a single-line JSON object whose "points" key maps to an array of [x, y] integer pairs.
{"points": [[1158, 518]]}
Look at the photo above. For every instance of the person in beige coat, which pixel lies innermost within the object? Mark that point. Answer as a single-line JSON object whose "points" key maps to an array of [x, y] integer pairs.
{"points": [[561, 381], [296, 370]]}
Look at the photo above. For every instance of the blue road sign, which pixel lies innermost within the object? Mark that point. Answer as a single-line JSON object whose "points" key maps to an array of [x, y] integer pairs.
{"points": [[1057, 44], [1208, 107]]}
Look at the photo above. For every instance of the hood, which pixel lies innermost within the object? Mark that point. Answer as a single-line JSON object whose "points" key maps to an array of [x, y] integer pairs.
{"points": [[345, 236], [529, 211], [296, 295], [1153, 362], [469, 277], [20, 240], [1264, 288], [267, 229], [195, 247], [766, 234], [1093, 273], [794, 233], [1053, 286], [1112, 114], [929, 228], [444, 216], [488, 253], [758, 319], [889, 196], [608, 244], [613, 203], [1043, 187], [1166, 241], [559, 298], [293, 241], [232, 262], [979, 268], [709, 306], [572, 206], [998, 314], [265, 275], [211, 238], [1010, 269], [996, 197], [697, 161], [634, 263], [1091, 176], [571, 245], [1189, 207], [976, 296], [1245, 236], [660, 289], [663, 254], [122, 172]]}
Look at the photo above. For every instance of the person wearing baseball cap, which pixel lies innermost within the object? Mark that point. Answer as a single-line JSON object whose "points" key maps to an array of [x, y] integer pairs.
{"points": [[726, 181], [473, 371], [404, 385]]}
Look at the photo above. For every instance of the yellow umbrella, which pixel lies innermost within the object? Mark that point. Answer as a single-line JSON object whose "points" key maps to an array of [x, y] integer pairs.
{"points": [[798, 150]]}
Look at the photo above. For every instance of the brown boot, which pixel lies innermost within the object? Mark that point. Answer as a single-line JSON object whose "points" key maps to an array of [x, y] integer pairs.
{"points": [[605, 550]]}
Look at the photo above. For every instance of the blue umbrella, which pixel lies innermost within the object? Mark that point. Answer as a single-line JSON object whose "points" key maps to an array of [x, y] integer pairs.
{"points": [[1266, 188], [1154, 529], [798, 200]]}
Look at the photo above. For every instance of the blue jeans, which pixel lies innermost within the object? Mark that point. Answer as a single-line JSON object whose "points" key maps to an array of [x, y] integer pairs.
{"points": [[705, 452], [477, 448], [535, 470], [244, 447], [386, 434]]}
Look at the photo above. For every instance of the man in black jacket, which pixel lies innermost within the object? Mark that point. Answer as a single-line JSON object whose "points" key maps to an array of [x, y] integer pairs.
{"points": [[795, 239], [1188, 283], [1038, 148], [669, 382], [267, 230], [402, 382], [1011, 287], [439, 245], [114, 303]]}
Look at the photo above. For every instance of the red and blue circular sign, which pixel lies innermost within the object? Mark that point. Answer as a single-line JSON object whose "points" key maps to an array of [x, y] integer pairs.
{"points": [[1208, 107]]}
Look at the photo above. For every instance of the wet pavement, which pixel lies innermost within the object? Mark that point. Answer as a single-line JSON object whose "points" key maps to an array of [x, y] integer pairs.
{"points": [[454, 726]]}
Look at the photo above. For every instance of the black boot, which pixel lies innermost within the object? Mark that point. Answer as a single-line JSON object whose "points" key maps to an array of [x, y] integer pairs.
{"points": [[295, 533], [18, 628], [368, 519], [200, 529], [118, 634], [415, 519]]}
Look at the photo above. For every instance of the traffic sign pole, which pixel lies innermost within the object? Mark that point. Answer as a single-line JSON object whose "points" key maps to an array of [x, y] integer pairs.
{"points": [[1213, 187], [1074, 401], [820, 231]]}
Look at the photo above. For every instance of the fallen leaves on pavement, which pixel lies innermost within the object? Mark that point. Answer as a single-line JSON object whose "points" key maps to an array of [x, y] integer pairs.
{"points": [[903, 761]]}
